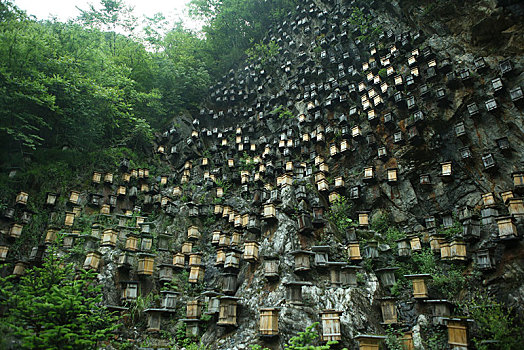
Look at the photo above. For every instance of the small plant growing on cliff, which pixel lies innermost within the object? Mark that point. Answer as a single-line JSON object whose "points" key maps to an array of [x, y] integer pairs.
{"points": [[264, 52], [393, 339], [247, 163], [450, 232], [338, 214], [283, 112], [493, 322], [305, 340]]}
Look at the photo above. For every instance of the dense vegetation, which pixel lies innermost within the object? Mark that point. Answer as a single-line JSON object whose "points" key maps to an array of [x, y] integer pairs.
{"points": [[107, 82], [54, 307]]}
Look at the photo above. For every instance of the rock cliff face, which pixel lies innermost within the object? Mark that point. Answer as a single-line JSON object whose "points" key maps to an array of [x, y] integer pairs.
{"points": [[403, 116]]}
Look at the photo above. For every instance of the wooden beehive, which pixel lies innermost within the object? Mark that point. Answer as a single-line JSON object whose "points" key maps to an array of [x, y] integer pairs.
{"points": [[215, 237], [109, 237], [154, 319], [333, 197], [92, 260], [335, 273], [121, 191], [224, 240], [415, 243], [323, 185], [131, 242], [251, 251], [363, 219], [108, 178], [331, 325], [193, 309], [420, 290], [227, 315], [321, 255], [245, 220], [146, 264], [507, 227], [97, 177], [458, 250], [488, 199], [348, 275], [165, 272], [187, 247], [21, 198], [294, 292], [407, 341], [457, 333], [392, 175], [446, 170], [74, 197], [19, 269], [354, 251], [269, 322], [302, 260], [389, 311], [232, 260], [271, 266], [218, 209], [15, 230], [484, 259], [196, 274], [105, 209], [445, 250], [3, 252], [51, 199], [179, 260], [516, 207], [270, 211], [387, 276], [238, 221], [368, 174], [129, 290], [221, 257], [69, 219], [369, 342], [195, 259], [434, 243], [193, 233], [319, 176]]}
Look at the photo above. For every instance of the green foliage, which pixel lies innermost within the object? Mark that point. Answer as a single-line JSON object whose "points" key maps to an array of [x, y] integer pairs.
{"points": [[53, 307], [453, 231], [447, 280], [246, 163], [493, 322], [258, 347], [282, 112], [231, 27], [383, 73], [263, 52], [226, 185], [369, 31], [306, 340], [339, 214], [436, 338], [190, 343], [136, 308], [393, 339]]}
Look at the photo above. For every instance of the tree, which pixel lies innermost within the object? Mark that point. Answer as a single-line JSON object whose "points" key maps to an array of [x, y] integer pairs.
{"points": [[54, 307], [232, 26], [113, 17]]}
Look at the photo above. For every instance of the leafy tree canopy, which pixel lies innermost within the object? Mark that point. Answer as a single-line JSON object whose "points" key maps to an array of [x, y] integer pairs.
{"points": [[54, 307]]}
